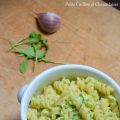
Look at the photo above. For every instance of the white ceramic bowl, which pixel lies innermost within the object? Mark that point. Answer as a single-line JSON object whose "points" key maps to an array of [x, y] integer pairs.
{"points": [[52, 74]]}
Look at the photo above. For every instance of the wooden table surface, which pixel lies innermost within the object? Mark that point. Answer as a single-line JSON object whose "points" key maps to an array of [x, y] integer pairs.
{"points": [[88, 35]]}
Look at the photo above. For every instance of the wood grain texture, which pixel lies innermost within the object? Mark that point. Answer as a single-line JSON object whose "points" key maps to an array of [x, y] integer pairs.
{"points": [[88, 35]]}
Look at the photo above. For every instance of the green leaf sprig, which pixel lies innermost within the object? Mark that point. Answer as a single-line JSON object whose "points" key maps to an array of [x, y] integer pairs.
{"points": [[36, 50]]}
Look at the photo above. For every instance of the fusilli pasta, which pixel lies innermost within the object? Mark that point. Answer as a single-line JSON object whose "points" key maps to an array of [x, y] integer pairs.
{"points": [[83, 98]]}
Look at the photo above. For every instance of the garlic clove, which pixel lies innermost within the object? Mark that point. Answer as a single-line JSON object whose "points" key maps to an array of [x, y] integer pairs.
{"points": [[49, 22]]}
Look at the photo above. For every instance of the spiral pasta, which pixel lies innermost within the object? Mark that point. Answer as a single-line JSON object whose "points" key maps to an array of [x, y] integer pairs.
{"points": [[61, 85], [113, 105], [44, 118], [83, 98], [45, 112], [107, 113], [85, 86], [102, 88], [32, 114], [43, 101], [98, 115], [49, 90]]}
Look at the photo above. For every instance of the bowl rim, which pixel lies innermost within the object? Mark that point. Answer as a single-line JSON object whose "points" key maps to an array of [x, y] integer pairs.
{"points": [[82, 67]]}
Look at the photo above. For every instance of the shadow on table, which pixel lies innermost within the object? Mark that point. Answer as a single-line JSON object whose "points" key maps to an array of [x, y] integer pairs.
{"points": [[113, 2]]}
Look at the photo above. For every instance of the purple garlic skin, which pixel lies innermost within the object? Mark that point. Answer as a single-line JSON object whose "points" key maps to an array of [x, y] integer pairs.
{"points": [[49, 22]]}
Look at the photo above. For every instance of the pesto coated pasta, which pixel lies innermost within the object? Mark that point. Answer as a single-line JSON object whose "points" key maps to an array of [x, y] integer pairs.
{"points": [[82, 98]]}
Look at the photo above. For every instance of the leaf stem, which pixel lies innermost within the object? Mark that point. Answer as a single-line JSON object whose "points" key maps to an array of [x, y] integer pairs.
{"points": [[17, 44], [11, 44], [36, 59], [50, 61]]}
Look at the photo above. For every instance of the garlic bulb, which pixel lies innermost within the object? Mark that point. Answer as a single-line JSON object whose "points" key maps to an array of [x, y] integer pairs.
{"points": [[49, 22]]}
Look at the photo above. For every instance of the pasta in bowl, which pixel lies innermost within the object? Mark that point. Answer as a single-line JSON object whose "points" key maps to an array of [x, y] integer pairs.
{"points": [[84, 93], [83, 98]]}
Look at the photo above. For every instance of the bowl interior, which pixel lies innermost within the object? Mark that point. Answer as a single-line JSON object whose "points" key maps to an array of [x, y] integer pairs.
{"points": [[56, 73]]}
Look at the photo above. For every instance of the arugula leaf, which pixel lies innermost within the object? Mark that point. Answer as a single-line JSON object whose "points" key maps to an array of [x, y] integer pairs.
{"points": [[23, 66], [40, 54], [31, 41], [28, 52], [44, 41], [34, 35], [33, 38], [38, 47]]}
